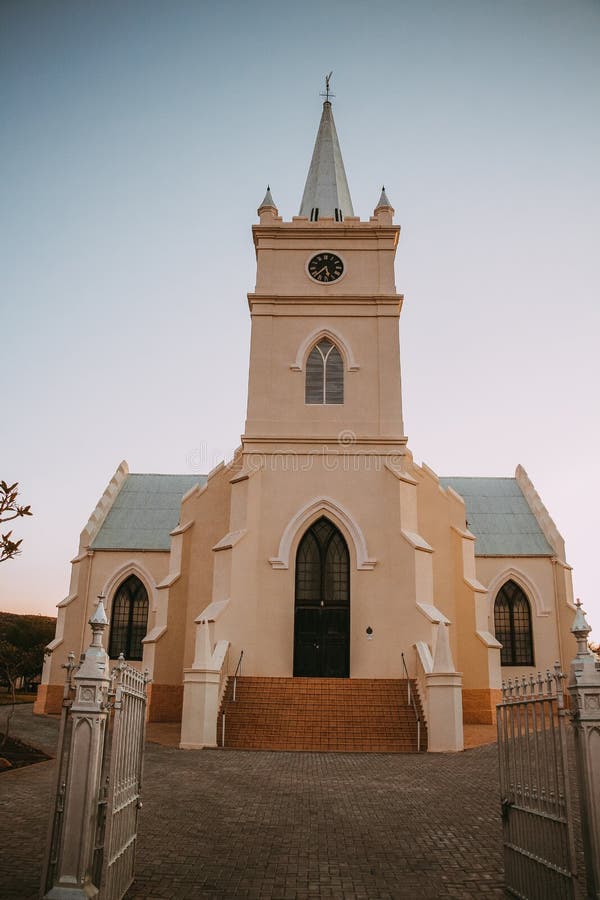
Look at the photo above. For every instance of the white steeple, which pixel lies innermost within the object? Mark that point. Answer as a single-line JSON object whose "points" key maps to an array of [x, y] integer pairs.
{"points": [[326, 191]]}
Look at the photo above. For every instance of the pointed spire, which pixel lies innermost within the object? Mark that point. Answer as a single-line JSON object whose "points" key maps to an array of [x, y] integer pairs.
{"points": [[268, 201], [383, 202], [326, 191], [267, 211]]}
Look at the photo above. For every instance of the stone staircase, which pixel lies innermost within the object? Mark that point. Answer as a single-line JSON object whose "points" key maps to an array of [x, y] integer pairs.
{"points": [[334, 714]]}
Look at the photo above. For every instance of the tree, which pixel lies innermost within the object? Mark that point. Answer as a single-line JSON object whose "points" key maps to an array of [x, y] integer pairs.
{"points": [[10, 509], [23, 642]]}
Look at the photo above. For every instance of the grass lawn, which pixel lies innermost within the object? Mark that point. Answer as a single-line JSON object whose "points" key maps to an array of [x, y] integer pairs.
{"points": [[6, 699]]}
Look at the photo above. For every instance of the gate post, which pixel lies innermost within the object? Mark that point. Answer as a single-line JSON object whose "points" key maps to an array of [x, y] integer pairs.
{"points": [[89, 713], [584, 688]]}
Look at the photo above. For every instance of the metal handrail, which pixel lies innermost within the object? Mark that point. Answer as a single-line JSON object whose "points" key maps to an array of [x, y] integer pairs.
{"points": [[411, 700], [238, 670]]}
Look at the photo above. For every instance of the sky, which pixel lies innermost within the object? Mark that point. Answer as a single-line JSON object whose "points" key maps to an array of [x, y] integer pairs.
{"points": [[137, 140]]}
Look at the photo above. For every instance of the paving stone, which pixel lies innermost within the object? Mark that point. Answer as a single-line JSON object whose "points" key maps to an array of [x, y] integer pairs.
{"points": [[285, 826]]}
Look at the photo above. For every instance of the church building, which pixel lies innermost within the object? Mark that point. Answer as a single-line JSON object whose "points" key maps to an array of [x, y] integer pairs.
{"points": [[321, 566]]}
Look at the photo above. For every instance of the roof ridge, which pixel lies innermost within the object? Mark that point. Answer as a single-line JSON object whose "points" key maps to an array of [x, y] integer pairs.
{"points": [[172, 474], [481, 477]]}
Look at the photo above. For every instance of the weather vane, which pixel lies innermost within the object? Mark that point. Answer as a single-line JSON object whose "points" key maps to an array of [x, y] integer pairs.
{"points": [[327, 93]]}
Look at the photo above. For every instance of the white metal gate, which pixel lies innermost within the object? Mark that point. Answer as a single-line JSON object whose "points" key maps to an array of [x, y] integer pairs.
{"points": [[539, 856], [119, 808]]}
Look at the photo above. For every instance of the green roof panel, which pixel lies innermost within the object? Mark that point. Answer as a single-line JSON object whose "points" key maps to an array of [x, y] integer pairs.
{"points": [[145, 512], [500, 517]]}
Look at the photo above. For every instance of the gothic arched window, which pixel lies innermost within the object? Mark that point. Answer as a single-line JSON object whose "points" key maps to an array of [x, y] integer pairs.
{"points": [[512, 624], [128, 619], [324, 374]]}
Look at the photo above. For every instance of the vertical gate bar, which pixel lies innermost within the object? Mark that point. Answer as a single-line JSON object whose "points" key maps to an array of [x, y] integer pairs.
{"points": [[513, 767], [510, 820], [527, 755], [530, 835], [143, 702], [561, 829], [552, 796], [536, 753], [520, 779], [544, 738], [508, 855], [554, 789], [571, 857]]}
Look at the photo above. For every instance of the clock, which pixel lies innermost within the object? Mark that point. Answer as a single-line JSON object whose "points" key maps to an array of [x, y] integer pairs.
{"points": [[325, 267]]}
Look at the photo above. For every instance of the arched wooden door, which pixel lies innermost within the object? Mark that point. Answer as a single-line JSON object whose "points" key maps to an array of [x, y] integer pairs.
{"points": [[322, 603]]}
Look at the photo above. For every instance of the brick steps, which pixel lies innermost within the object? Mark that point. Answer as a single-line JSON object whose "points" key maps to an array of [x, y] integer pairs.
{"points": [[320, 714]]}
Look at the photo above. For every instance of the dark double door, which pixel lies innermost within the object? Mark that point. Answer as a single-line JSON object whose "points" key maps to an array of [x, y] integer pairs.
{"points": [[322, 604]]}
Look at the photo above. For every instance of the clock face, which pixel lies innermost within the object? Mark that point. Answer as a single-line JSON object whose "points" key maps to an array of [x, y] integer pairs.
{"points": [[325, 267]]}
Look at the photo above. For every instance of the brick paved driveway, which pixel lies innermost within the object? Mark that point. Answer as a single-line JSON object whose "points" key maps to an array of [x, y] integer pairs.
{"points": [[221, 824]]}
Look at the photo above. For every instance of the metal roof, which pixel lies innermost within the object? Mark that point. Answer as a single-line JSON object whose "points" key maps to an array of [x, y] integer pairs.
{"points": [[145, 511], [500, 517], [326, 186]]}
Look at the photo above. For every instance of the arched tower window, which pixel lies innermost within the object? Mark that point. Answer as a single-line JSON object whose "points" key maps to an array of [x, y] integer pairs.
{"points": [[324, 374], [512, 624], [129, 619]]}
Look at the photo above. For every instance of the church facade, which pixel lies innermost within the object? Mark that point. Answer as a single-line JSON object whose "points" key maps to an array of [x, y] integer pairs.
{"points": [[321, 550]]}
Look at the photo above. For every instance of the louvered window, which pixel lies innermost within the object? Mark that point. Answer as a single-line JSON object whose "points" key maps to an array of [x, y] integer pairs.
{"points": [[324, 374], [128, 619], [512, 624]]}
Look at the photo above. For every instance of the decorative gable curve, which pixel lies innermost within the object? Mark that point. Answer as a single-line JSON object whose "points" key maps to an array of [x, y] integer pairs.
{"points": [[533, 593], [313, 338], [131, 567], [326, 506]]}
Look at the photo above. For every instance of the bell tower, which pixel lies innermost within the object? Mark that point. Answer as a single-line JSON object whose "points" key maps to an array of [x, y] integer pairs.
{"points": [[325, 354]]}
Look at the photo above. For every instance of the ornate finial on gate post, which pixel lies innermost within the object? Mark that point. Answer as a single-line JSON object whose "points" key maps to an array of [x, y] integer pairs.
{"points": [[540, 681], [98, 622], [558, 678], [580, 630]]}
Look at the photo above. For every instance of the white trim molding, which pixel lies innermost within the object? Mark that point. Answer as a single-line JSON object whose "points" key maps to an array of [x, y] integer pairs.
{"points": [[525, 583], [131, 567], [313, 338], [303, 517]]}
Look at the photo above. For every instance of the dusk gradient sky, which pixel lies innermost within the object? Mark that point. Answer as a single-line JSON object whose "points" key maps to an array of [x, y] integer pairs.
{"points": [[137, 140]]}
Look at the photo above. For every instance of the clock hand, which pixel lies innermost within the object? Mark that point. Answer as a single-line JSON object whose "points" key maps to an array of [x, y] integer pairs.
{"points": [[321, 270]]}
